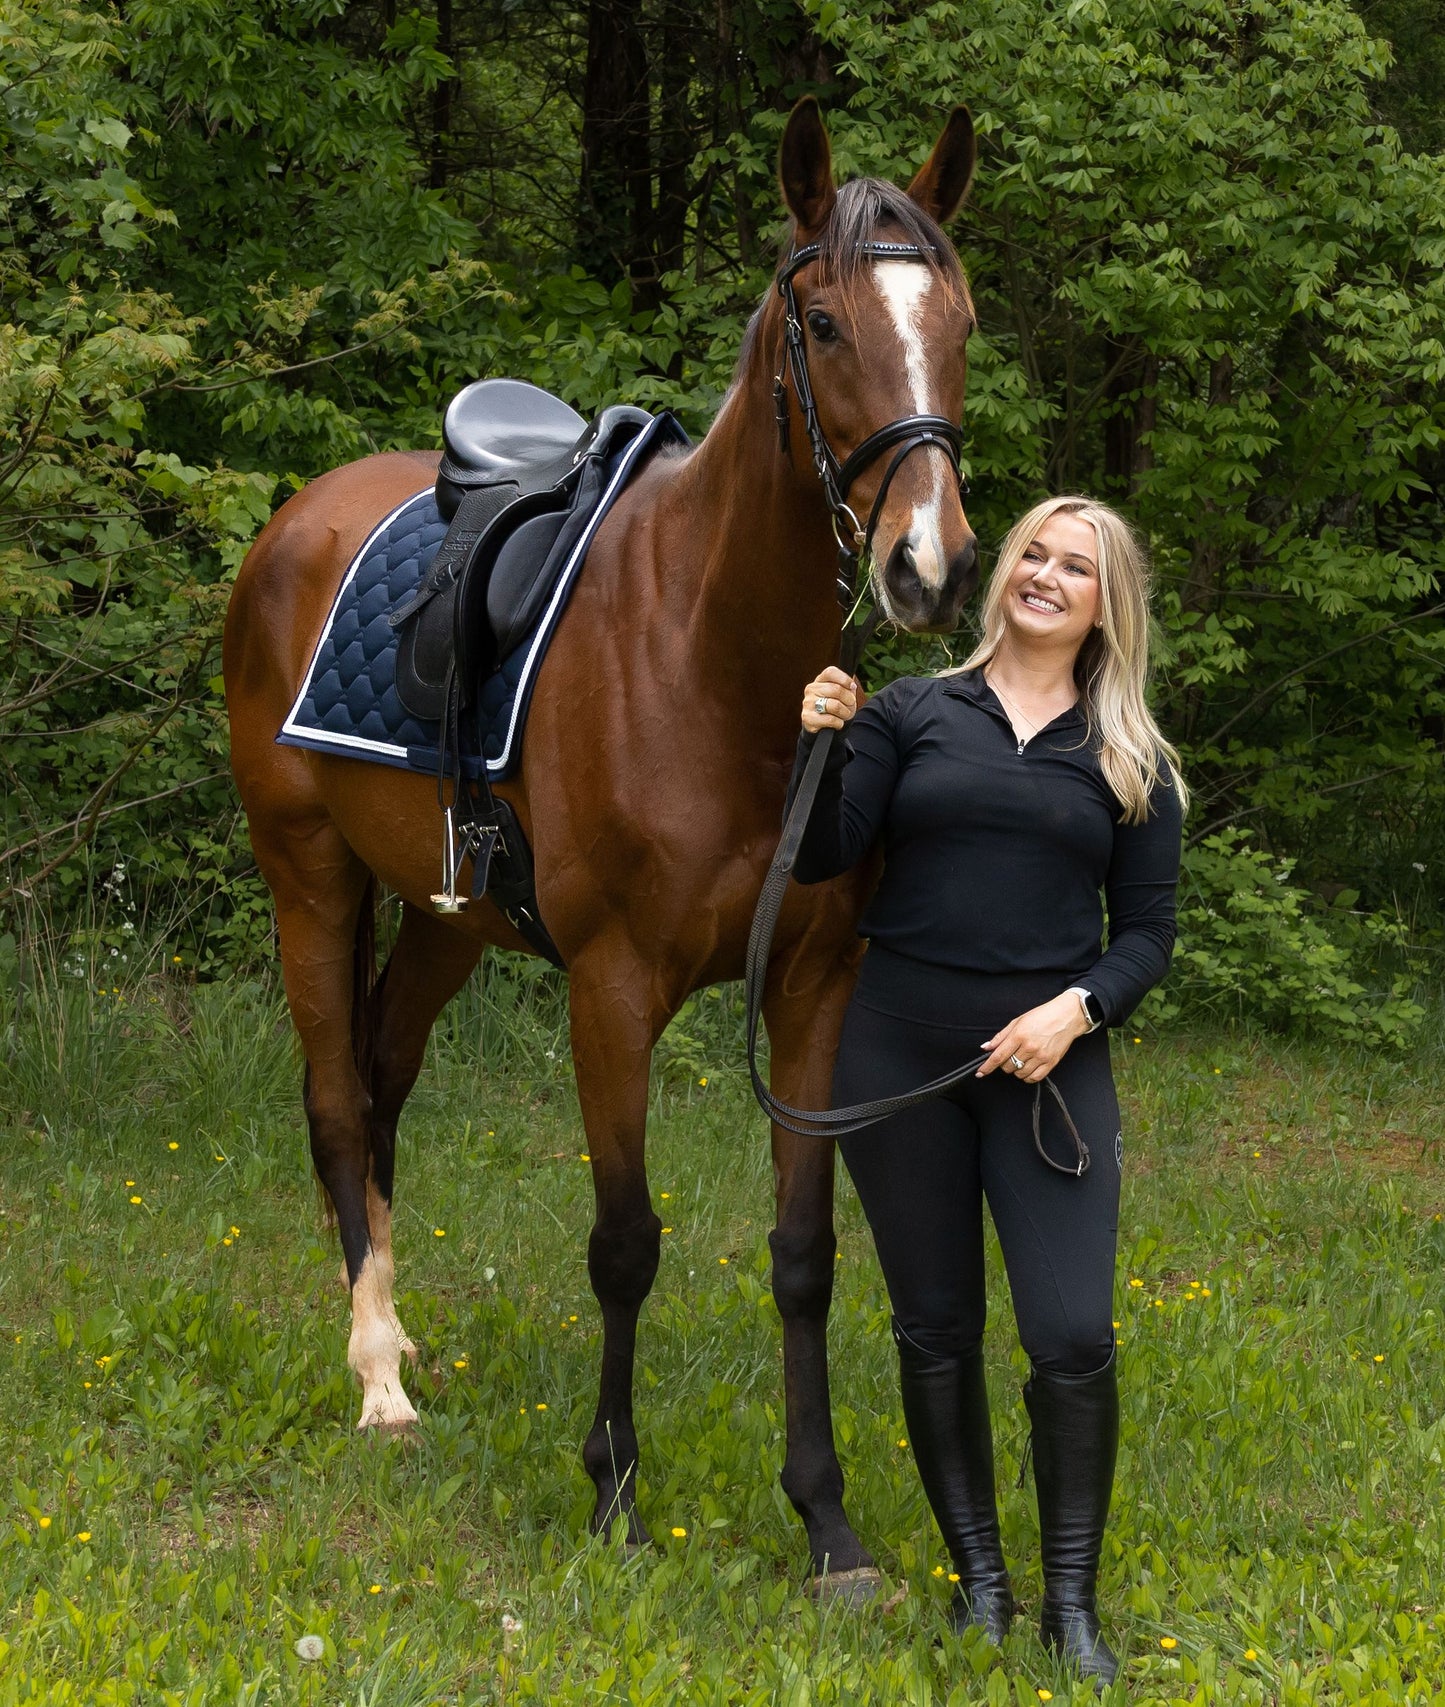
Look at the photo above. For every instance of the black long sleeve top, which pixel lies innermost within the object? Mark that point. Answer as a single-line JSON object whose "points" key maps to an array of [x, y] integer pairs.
{"points": [[995, 850]]}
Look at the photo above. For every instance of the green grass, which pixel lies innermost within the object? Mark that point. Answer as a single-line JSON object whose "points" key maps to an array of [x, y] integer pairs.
{"points": [[184, 1402]]}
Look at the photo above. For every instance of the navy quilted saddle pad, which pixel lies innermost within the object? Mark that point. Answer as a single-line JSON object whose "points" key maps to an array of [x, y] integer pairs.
{"points": [[348, 702]]}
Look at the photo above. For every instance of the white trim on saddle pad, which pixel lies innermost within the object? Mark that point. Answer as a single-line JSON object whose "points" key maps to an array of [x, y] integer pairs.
{"points": [[391, 752]]}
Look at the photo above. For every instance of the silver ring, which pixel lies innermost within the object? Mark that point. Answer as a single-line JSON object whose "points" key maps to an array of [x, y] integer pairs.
{"points": [[820, 705], [1015, 1063]]}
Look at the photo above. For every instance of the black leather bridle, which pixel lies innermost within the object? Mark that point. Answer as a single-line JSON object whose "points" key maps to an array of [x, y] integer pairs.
{"points": [[909, 433]]}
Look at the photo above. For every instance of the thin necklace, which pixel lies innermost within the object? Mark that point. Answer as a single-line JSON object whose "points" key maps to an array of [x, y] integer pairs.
{"points": [[1033, 728]]}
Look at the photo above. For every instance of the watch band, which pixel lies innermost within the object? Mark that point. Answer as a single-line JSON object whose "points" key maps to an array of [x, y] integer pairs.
{"points": [[1088, 1001]]}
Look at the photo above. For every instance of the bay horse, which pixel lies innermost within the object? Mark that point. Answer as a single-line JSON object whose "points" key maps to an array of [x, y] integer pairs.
{"points": [[658, 752]]}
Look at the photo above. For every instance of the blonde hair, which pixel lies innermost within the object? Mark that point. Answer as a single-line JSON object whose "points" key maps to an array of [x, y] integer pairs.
{"points": [[1112, 666]]}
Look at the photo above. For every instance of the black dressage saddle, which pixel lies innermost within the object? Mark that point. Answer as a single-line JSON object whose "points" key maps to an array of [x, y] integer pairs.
{"points": [[521, 482], [520, 476]]}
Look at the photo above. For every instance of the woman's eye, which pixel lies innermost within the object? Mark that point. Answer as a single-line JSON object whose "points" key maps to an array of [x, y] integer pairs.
{"points": [[822, 327]]}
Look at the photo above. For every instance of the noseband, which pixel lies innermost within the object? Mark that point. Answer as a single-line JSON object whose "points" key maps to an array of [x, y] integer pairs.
{"points": [[908, 433]]}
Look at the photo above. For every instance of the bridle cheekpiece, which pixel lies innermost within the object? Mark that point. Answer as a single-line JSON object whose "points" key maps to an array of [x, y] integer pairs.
{"points": [[908, 433]]}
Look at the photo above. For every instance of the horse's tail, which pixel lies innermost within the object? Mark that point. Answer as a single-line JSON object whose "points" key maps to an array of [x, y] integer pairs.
{"points": [[364, 985]]}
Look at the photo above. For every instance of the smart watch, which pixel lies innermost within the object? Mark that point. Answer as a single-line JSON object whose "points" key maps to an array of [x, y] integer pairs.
{"points": [[1089, 1002]]}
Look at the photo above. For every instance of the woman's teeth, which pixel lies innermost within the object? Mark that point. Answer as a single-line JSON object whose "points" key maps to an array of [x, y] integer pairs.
{"points": [[1043, 604]]}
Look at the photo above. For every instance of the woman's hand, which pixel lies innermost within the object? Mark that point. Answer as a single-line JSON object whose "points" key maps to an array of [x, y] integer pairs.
{"points": [[837, 693], [1039, 1039]]}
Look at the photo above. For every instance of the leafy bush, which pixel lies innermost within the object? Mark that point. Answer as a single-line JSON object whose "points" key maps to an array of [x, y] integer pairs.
{"points": [[1254, 945]]}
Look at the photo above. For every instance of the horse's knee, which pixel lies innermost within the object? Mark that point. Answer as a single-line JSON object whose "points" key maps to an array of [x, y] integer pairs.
{"points": [[803, 1271], [622, 1259]]}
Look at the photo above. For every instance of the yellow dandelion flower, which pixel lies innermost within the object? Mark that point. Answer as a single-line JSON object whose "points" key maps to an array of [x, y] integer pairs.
{"points": [[1158, 1303], [1257, 1154], [134, 1198], [1138, 1039], [1048, 1694], [1194, 1285], [1204, 1292], [1379, 1357], [703, 1082], [235, 1232], [1250, 1654], [722, 1262], [903, 1444], [374, 1589], [84, 1535], [45, 1523], [1118, 1325], [101, 1362], [1218, 1069], [938, 1570], [541, 1407], [225, 1241], [666, 1195], [459, 1363], [85, 1383], [953, 1576], [219, 1158], [173, 1145], [582, 1156], [1168, 1643], [679, 1532], [667, 1229], [130, 1182], [571, 1318], [1135, 1282], [439, 1232], [175, 960]]}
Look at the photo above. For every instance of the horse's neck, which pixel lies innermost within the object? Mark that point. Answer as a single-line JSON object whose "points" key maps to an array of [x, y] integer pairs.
{"points": [[761, 565]]}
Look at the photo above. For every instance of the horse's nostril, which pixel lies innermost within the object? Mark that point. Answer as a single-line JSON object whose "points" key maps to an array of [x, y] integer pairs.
{"points": [[907, 557]]}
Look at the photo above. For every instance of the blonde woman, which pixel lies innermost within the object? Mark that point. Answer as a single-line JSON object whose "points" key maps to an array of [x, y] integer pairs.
{"points": [[1006, 796]]}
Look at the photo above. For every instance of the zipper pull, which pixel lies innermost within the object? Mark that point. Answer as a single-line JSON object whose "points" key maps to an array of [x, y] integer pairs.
{"points": [[1021, 749]]}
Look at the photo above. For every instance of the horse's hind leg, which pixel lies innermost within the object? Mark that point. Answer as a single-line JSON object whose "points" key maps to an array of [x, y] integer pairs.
{"points": [[323, 898], [429, 964]]}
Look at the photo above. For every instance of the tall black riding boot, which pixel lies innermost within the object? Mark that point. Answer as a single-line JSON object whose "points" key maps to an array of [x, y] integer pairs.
{"points": [[1076, 1440], [945, 1400]]}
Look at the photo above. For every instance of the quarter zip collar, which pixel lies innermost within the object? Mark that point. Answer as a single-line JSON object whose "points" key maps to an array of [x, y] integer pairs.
{"points": [[971, 685]]}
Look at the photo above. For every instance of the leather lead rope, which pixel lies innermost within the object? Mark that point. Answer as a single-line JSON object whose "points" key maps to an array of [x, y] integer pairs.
{"points": [[838, 1122]]}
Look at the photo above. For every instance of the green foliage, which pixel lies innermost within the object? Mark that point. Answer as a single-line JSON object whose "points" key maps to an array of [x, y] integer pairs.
{"points": [[209, 1502], [1255, 946], [244, 246]]}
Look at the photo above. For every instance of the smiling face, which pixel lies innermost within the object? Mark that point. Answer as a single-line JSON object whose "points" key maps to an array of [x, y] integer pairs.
{"points": [[1053, 597]]}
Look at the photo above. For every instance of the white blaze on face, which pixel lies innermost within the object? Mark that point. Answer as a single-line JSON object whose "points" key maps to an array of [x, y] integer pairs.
{"points": [[904, 287]]}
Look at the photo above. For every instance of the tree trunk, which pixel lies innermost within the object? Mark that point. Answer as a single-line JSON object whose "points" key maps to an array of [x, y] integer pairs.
{"points": [[614, 218]]}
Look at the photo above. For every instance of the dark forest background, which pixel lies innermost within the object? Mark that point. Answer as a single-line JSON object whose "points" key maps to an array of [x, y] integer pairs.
{"points": [[247, 241]]}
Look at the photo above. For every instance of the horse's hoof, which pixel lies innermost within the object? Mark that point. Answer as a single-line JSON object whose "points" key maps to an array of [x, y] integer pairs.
{"points": [[848, 1589], [387, 1412]]}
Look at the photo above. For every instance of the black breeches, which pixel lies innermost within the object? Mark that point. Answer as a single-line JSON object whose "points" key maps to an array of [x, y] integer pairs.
{"points": [[923, 1176]]}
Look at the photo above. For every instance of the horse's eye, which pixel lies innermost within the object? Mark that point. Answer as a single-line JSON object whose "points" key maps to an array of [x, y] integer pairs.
{"points": [[822, 327]]}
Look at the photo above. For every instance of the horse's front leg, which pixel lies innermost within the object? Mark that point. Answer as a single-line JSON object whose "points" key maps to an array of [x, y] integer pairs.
{"points": [[617, 1016], [804, 1003]]}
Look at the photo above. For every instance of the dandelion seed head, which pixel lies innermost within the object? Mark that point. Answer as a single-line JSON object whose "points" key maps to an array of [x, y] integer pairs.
{"points": [[309, 1647]]}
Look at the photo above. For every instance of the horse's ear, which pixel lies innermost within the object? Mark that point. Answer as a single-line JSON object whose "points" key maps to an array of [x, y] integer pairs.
{"points": [[805, 167], [940, 187]]}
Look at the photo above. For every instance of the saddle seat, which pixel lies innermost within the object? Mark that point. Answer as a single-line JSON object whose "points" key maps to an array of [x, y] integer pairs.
{"points": [[521, 473]]}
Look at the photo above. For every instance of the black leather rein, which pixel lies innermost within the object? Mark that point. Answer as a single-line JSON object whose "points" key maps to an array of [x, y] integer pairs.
{"points": [[908, 433]]}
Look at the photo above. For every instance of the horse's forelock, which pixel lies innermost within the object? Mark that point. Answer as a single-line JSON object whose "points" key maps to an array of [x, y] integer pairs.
{"points": [[869, 210]]}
